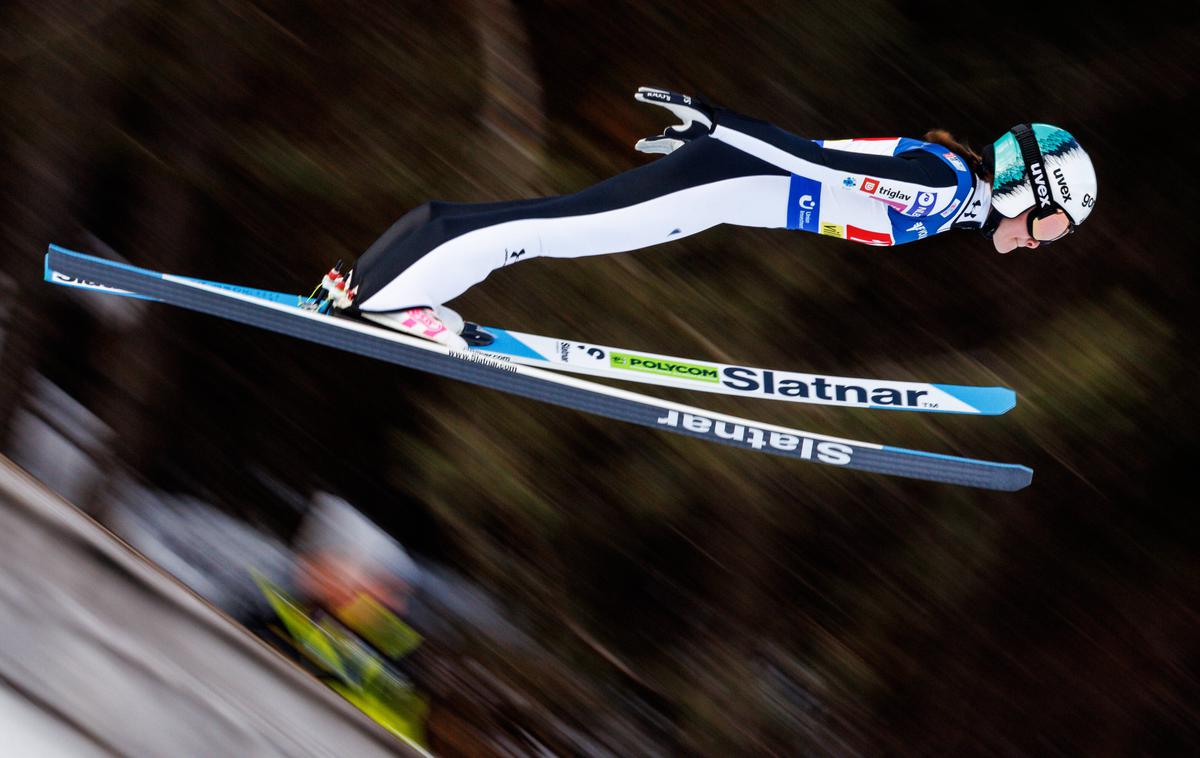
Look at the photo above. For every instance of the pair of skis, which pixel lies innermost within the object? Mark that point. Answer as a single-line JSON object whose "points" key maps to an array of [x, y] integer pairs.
{"points": [[537, 367]]}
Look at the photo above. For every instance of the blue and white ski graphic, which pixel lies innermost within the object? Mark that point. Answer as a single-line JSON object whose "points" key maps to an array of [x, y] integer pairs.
{"points": [[746, 381], [280, 313]]}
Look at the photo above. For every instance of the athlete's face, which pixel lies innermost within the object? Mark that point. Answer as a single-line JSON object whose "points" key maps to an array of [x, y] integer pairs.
{"points": [[1013, 233]]}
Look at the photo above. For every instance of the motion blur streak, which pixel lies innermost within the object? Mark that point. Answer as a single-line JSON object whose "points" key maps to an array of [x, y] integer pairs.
{"points": [[585, 587]]}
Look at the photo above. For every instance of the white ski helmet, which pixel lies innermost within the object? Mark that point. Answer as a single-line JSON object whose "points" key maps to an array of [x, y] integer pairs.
{"points": [[1042, 166]]}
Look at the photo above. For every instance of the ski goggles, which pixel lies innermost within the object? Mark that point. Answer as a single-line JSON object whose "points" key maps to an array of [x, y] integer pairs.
{"points": [[1049, 227], [1048, 221]]}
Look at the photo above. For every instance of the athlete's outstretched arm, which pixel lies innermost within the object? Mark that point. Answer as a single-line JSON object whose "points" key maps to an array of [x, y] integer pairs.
{"points": [[910, 173], [915, 172]]}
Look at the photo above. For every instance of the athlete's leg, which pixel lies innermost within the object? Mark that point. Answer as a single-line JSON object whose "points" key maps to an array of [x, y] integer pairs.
{"points": [[393, 252], [440, 249]]}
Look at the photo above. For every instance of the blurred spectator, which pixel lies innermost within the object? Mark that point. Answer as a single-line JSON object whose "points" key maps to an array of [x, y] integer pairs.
{"points": [[333, 603], [340, 613]]}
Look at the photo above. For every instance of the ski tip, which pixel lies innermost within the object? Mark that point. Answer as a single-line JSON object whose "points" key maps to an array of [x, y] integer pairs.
{"points": [[1016, 477], [971, 472], [987, 401]]}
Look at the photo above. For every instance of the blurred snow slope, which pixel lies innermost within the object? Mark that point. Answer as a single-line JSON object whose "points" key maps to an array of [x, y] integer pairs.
{"points": [[103, 651]]}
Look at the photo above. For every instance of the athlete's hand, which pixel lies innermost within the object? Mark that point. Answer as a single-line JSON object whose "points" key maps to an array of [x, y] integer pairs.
{"points": [[696, 117]]}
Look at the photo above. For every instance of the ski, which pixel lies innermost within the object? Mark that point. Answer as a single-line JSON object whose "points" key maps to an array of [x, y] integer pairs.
{"points": [[625, 364], [745, 381], [284, 314]]}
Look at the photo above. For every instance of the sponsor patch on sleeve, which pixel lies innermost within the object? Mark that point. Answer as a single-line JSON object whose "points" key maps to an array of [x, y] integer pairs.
{"points": [[833, 230], [923, 204], [867, 236], [953, 207], [804, 204]]}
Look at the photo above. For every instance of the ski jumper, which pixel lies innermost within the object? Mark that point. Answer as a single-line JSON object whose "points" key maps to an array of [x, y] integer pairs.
{"points": [[746, 172]]}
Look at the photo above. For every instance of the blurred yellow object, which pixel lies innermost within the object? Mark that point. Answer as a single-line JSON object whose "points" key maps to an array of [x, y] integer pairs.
{"points": [[379, 626], [355, 669]]}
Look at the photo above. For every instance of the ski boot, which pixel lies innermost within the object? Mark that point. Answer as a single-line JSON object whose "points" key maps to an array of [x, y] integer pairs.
{"points": [[335, 295], [472, 333], [426, 323]]}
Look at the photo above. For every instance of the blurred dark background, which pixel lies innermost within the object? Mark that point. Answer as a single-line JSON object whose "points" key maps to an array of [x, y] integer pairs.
{"points": [[739, 604]]}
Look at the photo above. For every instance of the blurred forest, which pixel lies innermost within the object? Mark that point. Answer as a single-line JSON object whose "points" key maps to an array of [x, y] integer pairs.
{"points": [[687, 598]]}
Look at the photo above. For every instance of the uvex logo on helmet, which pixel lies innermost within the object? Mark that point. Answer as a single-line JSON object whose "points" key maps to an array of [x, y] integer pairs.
{"points": [[1063, 189], [1040, 187]]}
